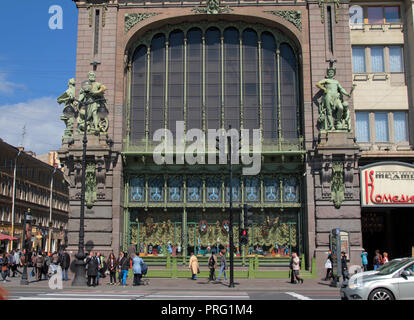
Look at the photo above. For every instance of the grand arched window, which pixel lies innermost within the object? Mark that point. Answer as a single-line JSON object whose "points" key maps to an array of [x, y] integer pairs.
{"points": [[211, 78]]}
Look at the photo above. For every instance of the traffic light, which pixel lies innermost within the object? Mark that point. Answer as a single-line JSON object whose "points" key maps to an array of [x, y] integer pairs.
{"points": [[248, 222], [244, 236]]}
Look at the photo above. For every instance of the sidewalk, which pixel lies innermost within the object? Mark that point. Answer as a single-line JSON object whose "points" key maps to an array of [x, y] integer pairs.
{"points": [[201, 284]]}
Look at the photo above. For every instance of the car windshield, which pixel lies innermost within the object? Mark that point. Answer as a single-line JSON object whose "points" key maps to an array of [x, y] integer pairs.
{"points": [[390, 268], [392, 262]]}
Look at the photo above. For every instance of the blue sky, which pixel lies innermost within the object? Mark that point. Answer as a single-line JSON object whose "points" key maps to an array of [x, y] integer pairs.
{"points": [[35, 65]]}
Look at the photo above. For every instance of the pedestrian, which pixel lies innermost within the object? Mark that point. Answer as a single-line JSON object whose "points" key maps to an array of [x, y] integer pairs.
{"points": [[364, 258], [125, 264], [344, 266], [47, 262], [377, 259], [12, 264], [64, 264], [295, 265], [385, 259], [121, 254], [92, 265], [136, 268], [100, 266], [194, 267], [39, 263], [17, 261], [112, 263], [4, 263], [212, 262], [55, 258], [223, 264], [328, 266]]}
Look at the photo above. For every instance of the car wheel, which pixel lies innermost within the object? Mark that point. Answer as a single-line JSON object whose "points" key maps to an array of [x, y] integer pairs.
{"points": [[381, 294]]}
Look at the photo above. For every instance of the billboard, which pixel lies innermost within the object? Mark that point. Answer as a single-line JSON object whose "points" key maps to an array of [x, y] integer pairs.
{"points": [[387, 184]]}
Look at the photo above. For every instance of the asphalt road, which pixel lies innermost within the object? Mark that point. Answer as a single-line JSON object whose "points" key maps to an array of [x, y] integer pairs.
{"points": [[148, 294]]}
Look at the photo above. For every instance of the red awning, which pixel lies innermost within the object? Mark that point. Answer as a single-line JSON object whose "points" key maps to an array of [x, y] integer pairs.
{"points": [[6, 237]]}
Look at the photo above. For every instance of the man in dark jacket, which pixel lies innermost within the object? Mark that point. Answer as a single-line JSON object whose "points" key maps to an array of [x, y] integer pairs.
{"points": [[125, 264], [64, 262], [345, 272], [39, 263], [92, 265]]}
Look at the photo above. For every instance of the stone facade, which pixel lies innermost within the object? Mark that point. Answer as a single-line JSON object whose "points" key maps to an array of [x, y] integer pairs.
{"points": [[320, 29]]}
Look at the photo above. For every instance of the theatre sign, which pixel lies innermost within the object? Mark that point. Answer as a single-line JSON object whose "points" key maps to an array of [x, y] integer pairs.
{"points": [[387, 184]]}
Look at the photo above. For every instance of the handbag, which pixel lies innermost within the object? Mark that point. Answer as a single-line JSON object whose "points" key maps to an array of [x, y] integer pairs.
{"points": [[4, 268], [328, 264]]}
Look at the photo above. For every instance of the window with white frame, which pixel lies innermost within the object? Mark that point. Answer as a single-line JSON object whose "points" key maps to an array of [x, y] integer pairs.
{"points": [[394, 62], [400, 126], [358, 59], [362, 127], [396, 59]]}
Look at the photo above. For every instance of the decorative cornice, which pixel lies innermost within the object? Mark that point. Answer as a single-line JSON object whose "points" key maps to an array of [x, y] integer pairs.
{"points": [[131, 19], [293, 16]]}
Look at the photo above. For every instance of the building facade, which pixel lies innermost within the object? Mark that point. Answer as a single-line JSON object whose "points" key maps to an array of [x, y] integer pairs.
{"points": [[27, 183], [248, 65]]}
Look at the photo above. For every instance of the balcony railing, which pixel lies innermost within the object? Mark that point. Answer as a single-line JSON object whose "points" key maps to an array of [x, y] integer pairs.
{"points": [[187, 3], [268, 146]]}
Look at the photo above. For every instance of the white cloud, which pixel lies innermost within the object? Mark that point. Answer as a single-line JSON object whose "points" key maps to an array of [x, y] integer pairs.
{"points": [[44, 129], [8, 87]]}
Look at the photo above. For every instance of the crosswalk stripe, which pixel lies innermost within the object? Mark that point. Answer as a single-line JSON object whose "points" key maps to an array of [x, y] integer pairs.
{"points": [[298, 296]]}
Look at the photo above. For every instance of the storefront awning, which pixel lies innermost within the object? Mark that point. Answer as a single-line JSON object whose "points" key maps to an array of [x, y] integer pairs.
{"points": [[6, 237]]}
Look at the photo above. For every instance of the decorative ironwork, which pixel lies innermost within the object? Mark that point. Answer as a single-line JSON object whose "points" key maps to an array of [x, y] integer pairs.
{"points": [[175, 189], [137, 190], [156, 189], [290, 189], [235, 189], [252, 189], [213, 186], [194, 189], [131, 19], [225, 226], [293, 16], [272, 189]]}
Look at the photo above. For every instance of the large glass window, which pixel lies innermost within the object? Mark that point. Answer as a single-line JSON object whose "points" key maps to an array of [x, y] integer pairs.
{"points": [[375, 15], [139, 93], [194, 79], [377, 59], [250, 80], [213, 77], [400, 126], [358, 59], [269, 87], [396, 60], [157, 90], [288, 96], [175, 80], [392, 14], [381, 127], [362, 126]]}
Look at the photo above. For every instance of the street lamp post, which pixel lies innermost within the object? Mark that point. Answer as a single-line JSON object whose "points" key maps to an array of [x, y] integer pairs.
{"points": [[80, 275], [14, 198], [231, 284], [27, 218], [50, 212]]}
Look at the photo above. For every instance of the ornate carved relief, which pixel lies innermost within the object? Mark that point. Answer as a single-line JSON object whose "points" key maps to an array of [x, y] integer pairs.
{"points": [[338, 188], [212, 7], [293, 16], [131, 19]]}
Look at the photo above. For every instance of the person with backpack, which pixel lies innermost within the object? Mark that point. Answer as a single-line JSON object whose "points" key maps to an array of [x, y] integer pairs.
{"points": [[137, 269], [328, 266], [212, 262], [377, 260], [125, 264]]}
